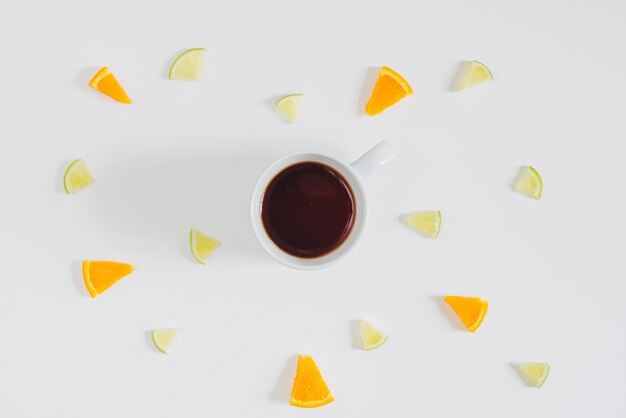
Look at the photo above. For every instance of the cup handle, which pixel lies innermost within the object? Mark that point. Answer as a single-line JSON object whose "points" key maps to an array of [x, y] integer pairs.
{"points": [[374, 159]]}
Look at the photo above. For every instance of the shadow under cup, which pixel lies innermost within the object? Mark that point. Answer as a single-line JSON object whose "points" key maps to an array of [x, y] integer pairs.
{"points": [[308, 209]]}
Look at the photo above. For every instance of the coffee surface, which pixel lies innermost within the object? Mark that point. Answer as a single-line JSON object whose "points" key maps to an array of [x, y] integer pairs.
{"points": [[308, 209]]}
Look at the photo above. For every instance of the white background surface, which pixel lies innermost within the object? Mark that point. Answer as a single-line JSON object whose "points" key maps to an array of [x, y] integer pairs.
{"points": [[187, 155]]}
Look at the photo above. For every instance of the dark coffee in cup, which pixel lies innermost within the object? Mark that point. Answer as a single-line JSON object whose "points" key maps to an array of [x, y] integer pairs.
{"points": [[308, 209]]}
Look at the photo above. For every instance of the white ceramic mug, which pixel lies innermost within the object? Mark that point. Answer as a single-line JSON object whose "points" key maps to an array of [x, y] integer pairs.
{"points": [[353, 173]]}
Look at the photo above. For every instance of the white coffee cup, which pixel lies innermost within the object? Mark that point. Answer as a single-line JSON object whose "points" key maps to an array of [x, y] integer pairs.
{"points": [[353, 173]]}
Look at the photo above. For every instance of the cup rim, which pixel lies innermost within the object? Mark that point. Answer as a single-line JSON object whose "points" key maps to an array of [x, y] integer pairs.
{"points": [[354, 181]]}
